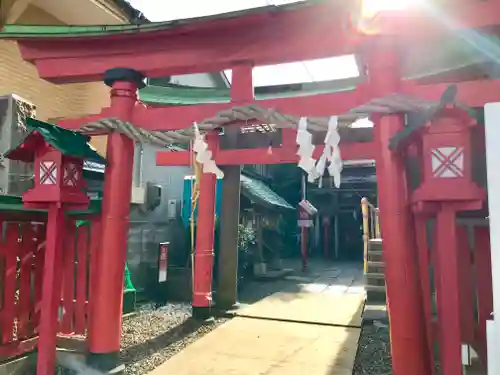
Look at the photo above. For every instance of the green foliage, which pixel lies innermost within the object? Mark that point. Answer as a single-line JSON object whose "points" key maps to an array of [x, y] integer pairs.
{"points": [[246, 238]]}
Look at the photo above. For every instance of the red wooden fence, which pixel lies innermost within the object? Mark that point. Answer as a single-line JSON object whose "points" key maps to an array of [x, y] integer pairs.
{"points": [[21, 271], [476, 297]]}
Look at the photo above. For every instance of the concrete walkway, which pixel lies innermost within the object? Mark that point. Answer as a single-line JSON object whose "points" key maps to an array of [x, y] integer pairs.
{"points": [[311, 325]]}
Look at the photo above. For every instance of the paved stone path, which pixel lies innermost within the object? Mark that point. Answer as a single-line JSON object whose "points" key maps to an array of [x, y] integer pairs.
{"points": [[311, 325]]}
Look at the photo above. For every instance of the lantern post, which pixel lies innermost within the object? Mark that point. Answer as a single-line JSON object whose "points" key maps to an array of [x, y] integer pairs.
{"points": [[448, 188], [58, 156]]}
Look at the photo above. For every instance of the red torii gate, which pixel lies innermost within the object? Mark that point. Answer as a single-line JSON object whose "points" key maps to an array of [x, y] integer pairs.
{"points": [[305, 32]]}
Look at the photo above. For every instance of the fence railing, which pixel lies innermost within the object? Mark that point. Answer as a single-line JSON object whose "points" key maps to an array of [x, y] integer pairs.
{"points": [[22, 251], [371, 227]]}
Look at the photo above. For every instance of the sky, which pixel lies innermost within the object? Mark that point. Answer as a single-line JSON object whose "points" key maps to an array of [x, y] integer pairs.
{"points": [[299, 72]]}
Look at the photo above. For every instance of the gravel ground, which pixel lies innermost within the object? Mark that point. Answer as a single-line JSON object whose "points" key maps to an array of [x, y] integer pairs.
{"points": [[154, 335], [374, 351]]}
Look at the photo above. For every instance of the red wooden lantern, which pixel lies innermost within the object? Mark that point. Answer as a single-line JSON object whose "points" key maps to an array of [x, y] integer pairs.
{"points": [[58, 155], [447, 158]]}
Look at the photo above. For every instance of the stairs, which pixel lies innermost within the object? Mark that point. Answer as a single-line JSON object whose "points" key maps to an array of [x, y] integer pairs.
{"points": [[375, 279]]}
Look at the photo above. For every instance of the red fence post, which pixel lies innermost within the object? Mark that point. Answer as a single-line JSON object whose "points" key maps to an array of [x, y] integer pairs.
{"points": [[95, 243], [39, 264], [11, 251], [82, 252], [68, 290], [484, 284], [466, 286], [29, 245], [424, 263]]}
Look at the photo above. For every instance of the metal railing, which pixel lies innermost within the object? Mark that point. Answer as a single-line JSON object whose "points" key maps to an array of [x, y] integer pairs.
{"points": [[371, 227]]}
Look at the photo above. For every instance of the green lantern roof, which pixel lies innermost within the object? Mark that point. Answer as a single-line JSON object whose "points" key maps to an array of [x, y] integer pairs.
{"points": [[66, 141]]}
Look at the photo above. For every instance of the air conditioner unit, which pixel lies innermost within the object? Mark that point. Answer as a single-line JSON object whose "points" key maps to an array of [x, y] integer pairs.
{"points": [[15, 177]]}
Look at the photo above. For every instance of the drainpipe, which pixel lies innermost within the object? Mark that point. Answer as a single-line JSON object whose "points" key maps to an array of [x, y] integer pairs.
{"points": [[138, 159]]}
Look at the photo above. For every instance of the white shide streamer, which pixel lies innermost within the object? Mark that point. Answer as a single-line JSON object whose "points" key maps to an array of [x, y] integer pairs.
{"points": [[306, 149], [332, 151], [330, 156], [204, 155]]}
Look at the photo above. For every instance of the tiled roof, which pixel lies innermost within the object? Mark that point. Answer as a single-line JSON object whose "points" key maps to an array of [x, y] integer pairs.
{"points": [[261, 194], [135, 16]]}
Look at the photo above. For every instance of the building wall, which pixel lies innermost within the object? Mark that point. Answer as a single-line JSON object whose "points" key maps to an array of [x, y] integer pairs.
{"points": [[52, 101], [148, 229]]}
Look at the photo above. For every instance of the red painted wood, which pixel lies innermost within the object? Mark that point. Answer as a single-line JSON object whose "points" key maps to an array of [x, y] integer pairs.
{"points": [[81, 279], [309, 33], [95, 243], [312, 106], [204, 254], [473, 93], [51, 288], [39, 264], [424, 261], [404, 297], [316, 31], [466, 286], [242, 89], [484, 288], [448, 300], [11, 250], [68, 290], [25, 301], [304, 240], [16, 349], [105, 317], [76, 123], [349, 151]]}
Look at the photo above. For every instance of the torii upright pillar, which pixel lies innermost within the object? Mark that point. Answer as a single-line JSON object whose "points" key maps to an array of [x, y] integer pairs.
{"points": [[408, 339], [242, 92], [204, 247], [105, 322]]}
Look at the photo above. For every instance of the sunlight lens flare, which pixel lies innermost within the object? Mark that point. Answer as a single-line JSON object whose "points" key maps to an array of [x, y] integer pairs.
{"points": [[371, 7]]}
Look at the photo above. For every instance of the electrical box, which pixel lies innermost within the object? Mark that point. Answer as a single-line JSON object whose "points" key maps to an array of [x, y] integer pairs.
{"points": [[172, 209], [138, 195]]}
